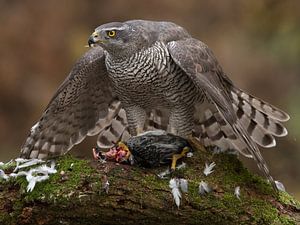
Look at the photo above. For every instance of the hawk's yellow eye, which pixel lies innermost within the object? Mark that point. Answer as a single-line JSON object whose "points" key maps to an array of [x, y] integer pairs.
{"points": [[111, 33]]}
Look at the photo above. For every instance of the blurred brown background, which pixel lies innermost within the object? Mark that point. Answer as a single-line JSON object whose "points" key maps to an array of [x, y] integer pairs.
{"points": [[257, 43]]}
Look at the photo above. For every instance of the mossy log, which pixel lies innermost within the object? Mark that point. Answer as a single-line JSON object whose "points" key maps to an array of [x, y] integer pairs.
{"points": [[137, 196]]}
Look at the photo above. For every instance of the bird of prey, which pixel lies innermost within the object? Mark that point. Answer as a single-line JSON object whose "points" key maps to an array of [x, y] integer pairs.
{"points": [[142, 75]]}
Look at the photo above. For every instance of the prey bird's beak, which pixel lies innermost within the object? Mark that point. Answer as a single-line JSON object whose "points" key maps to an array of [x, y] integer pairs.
{"points": [[94, 39]]}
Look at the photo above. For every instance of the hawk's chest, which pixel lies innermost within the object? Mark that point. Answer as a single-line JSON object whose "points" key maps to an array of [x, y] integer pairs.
{"points": [[142, 72]]}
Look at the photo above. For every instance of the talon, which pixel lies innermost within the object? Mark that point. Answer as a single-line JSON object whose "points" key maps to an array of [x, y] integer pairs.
{"points": [[176, 157]]}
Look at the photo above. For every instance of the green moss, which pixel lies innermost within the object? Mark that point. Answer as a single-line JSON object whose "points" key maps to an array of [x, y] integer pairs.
{"points": [[250, 207], [8, 166], [265, 213], [59, 188], [285, 198], [285, 220], [6, 218]]}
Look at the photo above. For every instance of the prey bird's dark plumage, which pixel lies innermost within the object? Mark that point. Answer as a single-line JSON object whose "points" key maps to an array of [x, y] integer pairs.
{"points": [[155, 148], [143, 75]]}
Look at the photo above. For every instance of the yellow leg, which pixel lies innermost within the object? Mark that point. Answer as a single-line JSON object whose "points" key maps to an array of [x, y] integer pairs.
{"points": [[176, 157], [196, 144]]}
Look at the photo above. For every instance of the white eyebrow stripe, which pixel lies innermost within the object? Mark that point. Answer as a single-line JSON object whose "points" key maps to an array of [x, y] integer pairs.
{"points": [[113, 28]]}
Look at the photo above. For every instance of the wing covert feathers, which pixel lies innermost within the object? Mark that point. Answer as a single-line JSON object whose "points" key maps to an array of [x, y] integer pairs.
{"points": [[74, 111]]}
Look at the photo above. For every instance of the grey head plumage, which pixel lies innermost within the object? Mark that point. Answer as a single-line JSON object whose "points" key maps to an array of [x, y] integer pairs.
{"points": [[117, 38], [124, 39]]}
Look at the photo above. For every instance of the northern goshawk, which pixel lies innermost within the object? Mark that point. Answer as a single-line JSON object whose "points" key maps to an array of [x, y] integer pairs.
{"points": [[143, 75]]}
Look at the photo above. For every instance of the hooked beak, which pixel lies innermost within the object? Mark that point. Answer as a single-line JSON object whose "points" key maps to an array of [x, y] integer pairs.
{"points": [[94, 39]]}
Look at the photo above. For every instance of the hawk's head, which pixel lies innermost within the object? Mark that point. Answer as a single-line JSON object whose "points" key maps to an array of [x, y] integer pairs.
{"points": [[118, 39]]}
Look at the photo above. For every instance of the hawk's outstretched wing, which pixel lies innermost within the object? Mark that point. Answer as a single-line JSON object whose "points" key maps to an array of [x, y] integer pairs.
{"points": [[241, 129], [83, 105]]}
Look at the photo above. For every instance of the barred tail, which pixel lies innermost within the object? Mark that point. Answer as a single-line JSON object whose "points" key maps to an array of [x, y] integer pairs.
{"points": [[259, 120], [114, 127]]}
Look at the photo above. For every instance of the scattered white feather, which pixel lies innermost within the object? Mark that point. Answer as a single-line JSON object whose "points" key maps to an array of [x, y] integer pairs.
{"points": [[173, 184], [103, 161], [209, 168], [45, 169], [3, 175], [52, 165], [106, 186], [2, 164], [181, 166], [237, 192], [183, 184], [33, 179], [204, 188], [31, 163], [279, 185], [21, 160], [38, 174], [189, 154], [23, 163], [131, 159], [164, 174], [20, 173]]}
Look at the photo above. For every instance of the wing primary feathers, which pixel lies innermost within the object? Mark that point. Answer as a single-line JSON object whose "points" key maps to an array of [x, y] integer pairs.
{"points": [[198, 62]]}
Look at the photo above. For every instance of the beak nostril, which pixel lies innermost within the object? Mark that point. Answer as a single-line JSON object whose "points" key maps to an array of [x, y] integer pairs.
{"points": [[94, 39]]}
